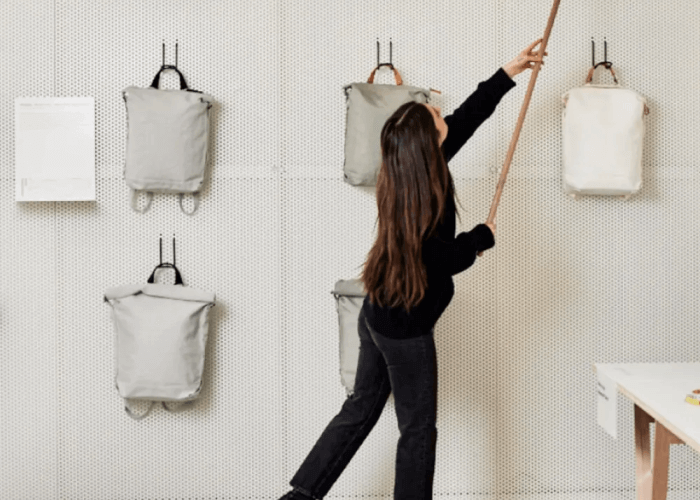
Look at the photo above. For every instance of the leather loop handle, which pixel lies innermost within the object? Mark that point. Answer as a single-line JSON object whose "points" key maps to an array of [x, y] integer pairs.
{"points": [[156, 81], [397, 76], [589, 79], [178, 276]]}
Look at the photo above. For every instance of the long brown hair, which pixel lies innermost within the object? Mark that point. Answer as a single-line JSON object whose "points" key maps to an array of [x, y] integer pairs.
{"points": [[413, 186]]}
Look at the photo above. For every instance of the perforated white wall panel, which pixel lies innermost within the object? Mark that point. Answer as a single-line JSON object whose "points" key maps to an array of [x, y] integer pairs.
{"points": [[569, 283]]}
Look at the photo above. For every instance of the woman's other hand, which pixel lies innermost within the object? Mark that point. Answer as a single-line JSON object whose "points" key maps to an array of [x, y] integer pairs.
{"points": [[492, 227], [525, 60]]}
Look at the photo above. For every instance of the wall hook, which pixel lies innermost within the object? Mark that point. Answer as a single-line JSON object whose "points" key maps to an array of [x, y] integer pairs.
{"points": [[605, 61], [391, 55], [169, 66], [607, 64], [165, 265], [160, 244]]}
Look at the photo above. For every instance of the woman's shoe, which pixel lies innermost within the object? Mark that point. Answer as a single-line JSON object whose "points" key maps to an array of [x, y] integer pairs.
{"points": [[295, 495]]}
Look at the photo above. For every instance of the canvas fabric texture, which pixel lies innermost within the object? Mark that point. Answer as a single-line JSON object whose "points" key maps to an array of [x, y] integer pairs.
{"points": [[349, 295], [160, 340], [369, 105], [167, 139], [603, 138]]}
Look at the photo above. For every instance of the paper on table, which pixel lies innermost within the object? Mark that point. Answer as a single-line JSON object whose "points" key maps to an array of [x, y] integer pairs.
{"points": [[54, 148], [606, 390]]}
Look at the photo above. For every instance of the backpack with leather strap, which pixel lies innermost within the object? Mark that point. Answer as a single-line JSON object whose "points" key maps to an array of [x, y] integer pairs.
{"points": [[167, 140]]}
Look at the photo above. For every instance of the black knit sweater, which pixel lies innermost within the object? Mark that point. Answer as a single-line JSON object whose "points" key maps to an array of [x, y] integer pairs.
{"points": [[445, 255]]}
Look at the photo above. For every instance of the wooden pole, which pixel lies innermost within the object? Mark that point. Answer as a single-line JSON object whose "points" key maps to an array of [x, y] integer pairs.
{"points": [[521, 118]]}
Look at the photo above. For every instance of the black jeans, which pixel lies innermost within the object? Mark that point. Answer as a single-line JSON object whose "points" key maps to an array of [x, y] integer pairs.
{"points": [[408, 367]]}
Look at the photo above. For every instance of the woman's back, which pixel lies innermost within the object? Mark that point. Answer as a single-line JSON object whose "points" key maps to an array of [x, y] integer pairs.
{"points": [[443, 254]]}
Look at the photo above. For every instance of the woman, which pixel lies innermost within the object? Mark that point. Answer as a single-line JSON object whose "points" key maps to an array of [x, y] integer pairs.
{"points": [[408, 278]]}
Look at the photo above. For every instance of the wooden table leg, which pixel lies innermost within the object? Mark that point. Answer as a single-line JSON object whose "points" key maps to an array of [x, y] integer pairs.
{"points": [[644, 476], [662, 449], [652, 483]]}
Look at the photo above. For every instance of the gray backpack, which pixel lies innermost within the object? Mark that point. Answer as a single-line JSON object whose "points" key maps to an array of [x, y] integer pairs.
{"points": [[167, 140], [160, 340], [369, 105], [349, 295]]}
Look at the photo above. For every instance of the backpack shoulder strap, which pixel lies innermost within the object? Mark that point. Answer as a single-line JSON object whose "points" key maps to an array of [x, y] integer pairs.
{"points": [[195, 198], [184, 405], [134, 204], [134, 415]]}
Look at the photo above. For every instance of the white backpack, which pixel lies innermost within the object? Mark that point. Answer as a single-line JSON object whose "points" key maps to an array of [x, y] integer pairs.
{"points": [[603, 132]]}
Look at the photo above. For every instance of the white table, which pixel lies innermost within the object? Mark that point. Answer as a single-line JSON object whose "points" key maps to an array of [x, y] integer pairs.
{"points": [[658, 391]]}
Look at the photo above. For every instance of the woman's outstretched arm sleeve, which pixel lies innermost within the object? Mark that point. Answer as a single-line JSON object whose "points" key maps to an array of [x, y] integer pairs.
{"points": [[474, 111], [453, 257]]}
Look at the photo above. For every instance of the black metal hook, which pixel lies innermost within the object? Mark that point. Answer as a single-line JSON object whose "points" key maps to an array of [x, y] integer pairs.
{"points": [[178, 276], [170, 66], [156, 80], [391, 55], [605, 61], [161, 251]]}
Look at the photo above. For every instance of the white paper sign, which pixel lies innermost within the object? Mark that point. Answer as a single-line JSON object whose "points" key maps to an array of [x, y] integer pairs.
{"points": [[54, 148], [606, 393]]}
